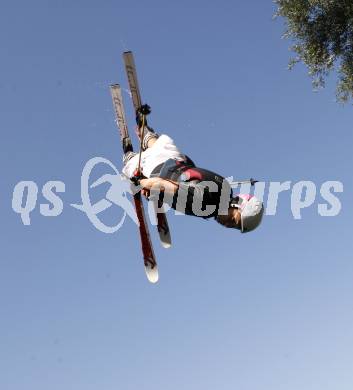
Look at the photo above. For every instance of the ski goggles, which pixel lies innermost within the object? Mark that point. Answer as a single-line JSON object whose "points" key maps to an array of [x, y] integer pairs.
{"points": [[236, 202], [239, 201]]}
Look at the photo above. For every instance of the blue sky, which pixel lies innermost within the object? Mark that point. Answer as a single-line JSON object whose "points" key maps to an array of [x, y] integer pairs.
{"points": [[267, 310]]}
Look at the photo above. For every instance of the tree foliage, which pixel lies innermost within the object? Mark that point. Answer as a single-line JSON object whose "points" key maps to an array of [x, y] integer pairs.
{"points": [[322, 34]]}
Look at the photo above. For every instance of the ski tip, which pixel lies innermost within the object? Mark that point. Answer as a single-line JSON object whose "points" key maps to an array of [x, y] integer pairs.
{"points": [[152, 273], [166, 244], [165, 238]]}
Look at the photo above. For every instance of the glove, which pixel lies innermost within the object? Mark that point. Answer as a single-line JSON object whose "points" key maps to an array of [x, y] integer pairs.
{"points": [[142, 111], [137, 177]]}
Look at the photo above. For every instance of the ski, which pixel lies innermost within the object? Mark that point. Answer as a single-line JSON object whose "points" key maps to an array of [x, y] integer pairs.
{"points": [[150, 262], [162, 222]]}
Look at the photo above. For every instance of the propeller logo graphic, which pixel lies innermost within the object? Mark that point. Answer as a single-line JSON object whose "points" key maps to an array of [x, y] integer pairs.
{"points": [[116, 195]]}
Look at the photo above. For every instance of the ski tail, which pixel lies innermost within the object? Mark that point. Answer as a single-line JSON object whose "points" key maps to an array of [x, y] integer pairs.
{"points": [[117, 98], [132, 79]]}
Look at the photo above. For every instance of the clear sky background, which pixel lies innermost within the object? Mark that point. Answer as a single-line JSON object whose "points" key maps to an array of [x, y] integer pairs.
{"points": [[267, 310]]}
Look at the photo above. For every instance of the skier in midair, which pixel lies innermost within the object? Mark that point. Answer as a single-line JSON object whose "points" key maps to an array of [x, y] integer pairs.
{"points": [[168, 176]]}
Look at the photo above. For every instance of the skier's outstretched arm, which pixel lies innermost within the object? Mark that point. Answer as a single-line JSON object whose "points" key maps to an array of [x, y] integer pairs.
{"points": [[157, 183]]}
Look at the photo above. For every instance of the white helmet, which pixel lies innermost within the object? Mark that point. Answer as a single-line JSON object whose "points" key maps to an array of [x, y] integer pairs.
{"points": [[252, 210]]}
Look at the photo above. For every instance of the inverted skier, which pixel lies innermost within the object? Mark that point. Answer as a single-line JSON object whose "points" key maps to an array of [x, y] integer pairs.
{"points": [[171, 177]]}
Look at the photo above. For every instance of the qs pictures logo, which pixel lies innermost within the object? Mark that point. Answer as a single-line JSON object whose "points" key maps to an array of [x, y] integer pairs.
{"points": [[303, 195]]}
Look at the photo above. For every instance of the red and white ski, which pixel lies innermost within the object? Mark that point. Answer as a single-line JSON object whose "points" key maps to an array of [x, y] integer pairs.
{"points": [[162, 222], [146, 243]]}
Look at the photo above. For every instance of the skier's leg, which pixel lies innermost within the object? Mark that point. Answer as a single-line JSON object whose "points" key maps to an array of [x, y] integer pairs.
{"points": [[149, 137], [130, 164], [128, 156]]}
